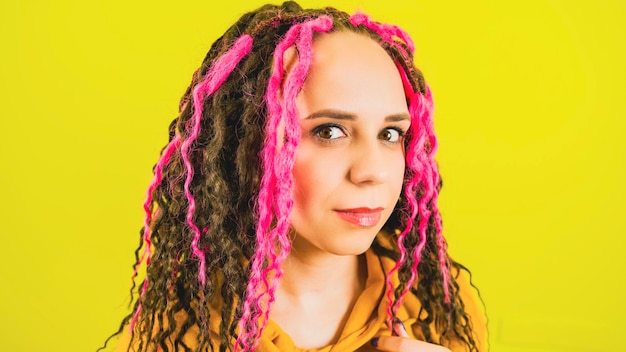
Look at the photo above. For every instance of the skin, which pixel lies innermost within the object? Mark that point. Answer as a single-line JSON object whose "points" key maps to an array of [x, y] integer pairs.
{"points": [[403, 343], [353, 114]]}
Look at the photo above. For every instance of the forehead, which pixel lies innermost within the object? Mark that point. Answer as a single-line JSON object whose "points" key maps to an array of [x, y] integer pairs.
{"points": [[347, 66], [348, 51]]}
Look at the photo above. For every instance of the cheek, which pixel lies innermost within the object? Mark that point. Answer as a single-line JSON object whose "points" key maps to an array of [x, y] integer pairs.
{"points": [[398, 165], [303, 184], [306, 179], [316, 174]]}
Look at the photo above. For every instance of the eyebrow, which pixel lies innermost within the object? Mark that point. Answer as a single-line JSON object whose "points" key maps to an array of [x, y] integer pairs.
{"points": [[342, 115]]}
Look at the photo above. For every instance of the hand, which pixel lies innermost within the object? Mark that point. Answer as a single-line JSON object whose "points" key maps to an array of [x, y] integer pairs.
{"points": [[403, 343]]}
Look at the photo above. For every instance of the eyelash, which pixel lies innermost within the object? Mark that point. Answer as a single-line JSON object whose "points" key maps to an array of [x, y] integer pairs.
{"points": [[316, 131], [401, 134]]}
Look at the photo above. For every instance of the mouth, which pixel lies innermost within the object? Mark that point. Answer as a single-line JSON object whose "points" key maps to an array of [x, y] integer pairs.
{"points": [[363, 217]]}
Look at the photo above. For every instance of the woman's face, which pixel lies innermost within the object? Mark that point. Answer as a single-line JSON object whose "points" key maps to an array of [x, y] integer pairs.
{"points": [[349, 165]]}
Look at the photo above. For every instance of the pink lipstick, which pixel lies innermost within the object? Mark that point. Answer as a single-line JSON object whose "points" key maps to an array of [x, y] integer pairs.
{"points": [[364, 217]]}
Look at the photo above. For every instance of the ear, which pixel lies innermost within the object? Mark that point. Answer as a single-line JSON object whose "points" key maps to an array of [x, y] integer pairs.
{"points": [[290, 59]]}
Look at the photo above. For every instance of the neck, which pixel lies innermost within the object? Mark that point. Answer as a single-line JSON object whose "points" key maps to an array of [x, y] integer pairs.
{"points": [[305, 275], [316, 295]]}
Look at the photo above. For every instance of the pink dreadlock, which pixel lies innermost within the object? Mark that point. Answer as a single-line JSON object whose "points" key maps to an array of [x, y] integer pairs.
{"points": [[422, 147], [277, 176], [216, 76]]}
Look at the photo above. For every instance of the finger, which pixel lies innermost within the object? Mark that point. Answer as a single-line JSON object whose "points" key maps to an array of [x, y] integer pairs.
{"points": [[398, 328], [404, 344]]}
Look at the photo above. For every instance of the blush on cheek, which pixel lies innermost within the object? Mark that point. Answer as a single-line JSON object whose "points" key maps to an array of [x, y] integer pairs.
{"points": [[302, 180]]}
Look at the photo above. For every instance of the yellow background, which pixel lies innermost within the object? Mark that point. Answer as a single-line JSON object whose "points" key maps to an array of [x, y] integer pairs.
{"points": [[530, 116]]}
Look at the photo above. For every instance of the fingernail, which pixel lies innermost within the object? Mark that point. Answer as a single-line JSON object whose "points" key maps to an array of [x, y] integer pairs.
{"points": [[374, 342], [397, 321]]}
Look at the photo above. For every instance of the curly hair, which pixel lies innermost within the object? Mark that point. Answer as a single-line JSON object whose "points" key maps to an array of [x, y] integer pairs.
{"points": [[217, 209]]}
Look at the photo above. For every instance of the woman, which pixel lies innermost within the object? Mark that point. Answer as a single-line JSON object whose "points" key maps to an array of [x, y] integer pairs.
{"points": [[295, 206]]}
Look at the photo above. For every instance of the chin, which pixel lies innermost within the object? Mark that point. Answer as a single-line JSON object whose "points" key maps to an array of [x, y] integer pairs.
{"points": [[352, 248]]}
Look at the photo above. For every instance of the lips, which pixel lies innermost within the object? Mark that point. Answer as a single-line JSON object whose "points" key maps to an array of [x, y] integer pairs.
{"points": [[363, 217]]}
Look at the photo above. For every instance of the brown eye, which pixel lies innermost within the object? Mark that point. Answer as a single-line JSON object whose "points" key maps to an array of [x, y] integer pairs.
{"points": [[389, 135], [329, 132]]}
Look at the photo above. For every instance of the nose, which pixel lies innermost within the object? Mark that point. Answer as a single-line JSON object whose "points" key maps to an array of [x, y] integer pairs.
{"points": [[368, 165]]}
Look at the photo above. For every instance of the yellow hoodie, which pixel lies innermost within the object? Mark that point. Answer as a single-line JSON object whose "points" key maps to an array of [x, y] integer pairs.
{"points": [[367, 320]]}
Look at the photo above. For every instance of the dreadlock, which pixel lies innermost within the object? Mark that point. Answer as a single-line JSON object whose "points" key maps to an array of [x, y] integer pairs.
{"points": [[217, 210]]}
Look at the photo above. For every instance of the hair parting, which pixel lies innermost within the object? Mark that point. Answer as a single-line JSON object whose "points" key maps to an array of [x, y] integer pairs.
{"points": [[389, 33]]}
